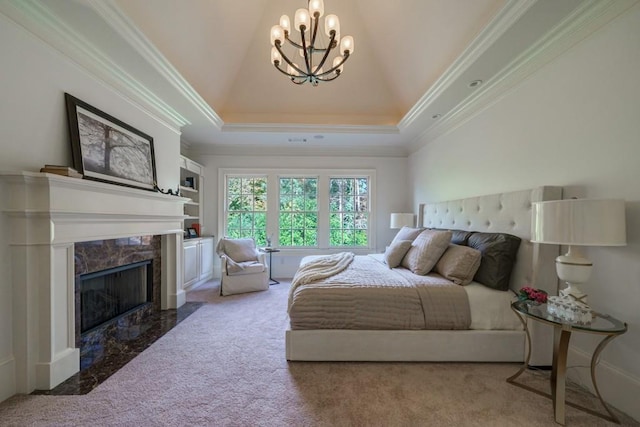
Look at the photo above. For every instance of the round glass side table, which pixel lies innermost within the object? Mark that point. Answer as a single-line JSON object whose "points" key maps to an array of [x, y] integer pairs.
{"points": [[602, 324]]}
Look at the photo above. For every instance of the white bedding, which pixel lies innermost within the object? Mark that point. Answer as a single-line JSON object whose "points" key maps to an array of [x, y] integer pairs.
{"points": [[490, 309]]}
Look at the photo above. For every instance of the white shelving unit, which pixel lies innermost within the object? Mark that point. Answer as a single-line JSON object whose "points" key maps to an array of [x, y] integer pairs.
{"points": [[190, 170], [198, 253]]}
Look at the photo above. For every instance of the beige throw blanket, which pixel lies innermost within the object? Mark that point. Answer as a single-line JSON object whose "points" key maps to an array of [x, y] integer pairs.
{"points": [[320, 268]]}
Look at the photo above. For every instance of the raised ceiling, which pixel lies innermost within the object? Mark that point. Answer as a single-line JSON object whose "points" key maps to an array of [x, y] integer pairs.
{"points": [[203, 65]]}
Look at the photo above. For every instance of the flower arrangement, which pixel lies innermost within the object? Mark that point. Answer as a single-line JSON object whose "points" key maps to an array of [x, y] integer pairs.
{"points": [[528, 293]]}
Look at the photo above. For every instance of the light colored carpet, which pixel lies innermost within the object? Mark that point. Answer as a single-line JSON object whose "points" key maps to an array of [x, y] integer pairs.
{"points": [[225, 366]]}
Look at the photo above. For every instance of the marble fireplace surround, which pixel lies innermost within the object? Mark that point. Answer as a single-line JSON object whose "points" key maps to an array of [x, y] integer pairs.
{"points": [[46, 215]]}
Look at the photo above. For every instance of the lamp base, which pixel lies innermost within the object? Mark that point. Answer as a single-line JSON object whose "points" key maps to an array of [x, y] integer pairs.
{"points": [[574, 292]]}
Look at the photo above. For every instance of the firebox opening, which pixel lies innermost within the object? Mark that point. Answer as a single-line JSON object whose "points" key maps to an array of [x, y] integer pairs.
{"points": [[110, 294]]}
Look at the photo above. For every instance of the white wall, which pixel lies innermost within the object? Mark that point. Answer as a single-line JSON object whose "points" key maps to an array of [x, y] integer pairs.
{"points": [[33, 131], [576, 124], [390, 193]]}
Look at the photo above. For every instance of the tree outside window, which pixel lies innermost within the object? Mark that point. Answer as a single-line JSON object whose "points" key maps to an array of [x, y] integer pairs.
{"points": [[349, 212], [298, 216], [247, 208]]}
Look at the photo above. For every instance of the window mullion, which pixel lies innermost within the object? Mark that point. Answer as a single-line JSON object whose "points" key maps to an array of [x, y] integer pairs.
{"points": [[323, 211]]}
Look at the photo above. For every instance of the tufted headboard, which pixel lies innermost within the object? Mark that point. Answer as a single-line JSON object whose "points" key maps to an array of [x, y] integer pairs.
{"points": [[502, 213]]}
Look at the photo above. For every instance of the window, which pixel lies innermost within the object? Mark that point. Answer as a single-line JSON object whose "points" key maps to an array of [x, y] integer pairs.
{"points": [[349, 211], [311, 209], [246, 201], [298, 218]]}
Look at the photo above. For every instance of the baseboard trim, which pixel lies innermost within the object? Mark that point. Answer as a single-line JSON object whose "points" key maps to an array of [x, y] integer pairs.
{"points": [[618, 388], [50, 374], [7, 378]]}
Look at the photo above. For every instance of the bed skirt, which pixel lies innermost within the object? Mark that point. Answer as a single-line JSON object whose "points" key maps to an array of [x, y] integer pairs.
{"points": [[405, 346]]}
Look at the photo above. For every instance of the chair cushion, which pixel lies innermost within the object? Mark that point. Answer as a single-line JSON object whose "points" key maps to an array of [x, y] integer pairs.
{"points": [[247, 267], [239, 250]]}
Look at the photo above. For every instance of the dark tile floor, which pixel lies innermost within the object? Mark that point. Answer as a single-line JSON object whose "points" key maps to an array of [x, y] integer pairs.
{"points": [[101, 361]]}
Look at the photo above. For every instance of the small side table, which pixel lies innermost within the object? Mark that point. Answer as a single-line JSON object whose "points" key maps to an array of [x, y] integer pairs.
{"points": [[271, 251], [601, 324]]}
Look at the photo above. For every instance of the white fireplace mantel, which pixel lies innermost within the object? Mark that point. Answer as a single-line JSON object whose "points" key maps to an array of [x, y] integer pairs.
{"points": [[46, 215]]}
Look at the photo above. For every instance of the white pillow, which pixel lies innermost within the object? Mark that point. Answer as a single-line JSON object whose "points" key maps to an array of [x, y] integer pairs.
{"points": [[426, 250]]}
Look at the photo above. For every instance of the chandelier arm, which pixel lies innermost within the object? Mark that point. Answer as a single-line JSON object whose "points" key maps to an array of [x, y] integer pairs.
{"points": [[326, 54], [288, 61], [316, 19], [344, 59], [306, 54], [329, 79]]}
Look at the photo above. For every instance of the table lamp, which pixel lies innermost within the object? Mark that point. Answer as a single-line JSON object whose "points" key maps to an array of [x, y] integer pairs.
{"points": [[576, 223], [399, 220]]}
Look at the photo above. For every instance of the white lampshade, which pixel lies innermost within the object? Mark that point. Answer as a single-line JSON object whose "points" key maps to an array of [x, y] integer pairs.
{"points": [[316, 6], [285, 23], [399, 220], [578, 222], [331, 22], [581, 222]]}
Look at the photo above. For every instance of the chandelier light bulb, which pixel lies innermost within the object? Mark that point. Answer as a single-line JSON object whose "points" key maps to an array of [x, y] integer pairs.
{"points": [[302, 18], [316, 6], [336, 61], [346, 44], [331, 22], [285, 23], [277, 33], [275, 55]]}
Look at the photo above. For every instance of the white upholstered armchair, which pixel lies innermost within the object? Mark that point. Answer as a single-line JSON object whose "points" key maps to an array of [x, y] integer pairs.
{"points": [[244, 268]]}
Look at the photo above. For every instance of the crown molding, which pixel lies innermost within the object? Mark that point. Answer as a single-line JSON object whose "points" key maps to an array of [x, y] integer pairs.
{"points": [[41, 21], [294, 149], [301, 128], [123, 25], [506, 17], [585, 20]]}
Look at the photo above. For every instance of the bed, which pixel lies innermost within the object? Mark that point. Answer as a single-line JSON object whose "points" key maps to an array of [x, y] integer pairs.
{"points": [[481, 340]]}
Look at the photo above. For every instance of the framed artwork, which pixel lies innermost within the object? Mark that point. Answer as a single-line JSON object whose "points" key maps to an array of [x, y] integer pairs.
{"points": [[191, 232], [107, 149]]}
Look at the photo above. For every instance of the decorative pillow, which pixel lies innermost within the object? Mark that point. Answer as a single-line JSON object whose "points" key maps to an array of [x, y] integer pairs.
{"points": [[499, 252], [395, 252], [407, 233], [426, 250], [458, 264], [239, 250], [460, 237]]}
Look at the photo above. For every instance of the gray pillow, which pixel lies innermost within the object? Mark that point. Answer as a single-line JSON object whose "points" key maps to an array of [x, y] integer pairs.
{"points": [[458, 264], [499, 252], [426, 250], [395, 252]]}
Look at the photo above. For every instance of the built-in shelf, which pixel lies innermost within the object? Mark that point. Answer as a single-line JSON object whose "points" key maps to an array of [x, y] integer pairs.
{"points": [[194, 173]]}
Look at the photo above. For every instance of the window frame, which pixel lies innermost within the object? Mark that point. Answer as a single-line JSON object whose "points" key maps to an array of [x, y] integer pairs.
{"points": [[273, 201]]}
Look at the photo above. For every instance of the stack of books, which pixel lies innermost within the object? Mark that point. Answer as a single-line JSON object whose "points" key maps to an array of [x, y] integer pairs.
{"points": [[61, 170]]}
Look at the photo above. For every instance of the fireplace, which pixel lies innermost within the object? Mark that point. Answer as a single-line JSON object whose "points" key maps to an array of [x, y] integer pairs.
{"points": [[118, 284], [46, 218], [110, 294]]}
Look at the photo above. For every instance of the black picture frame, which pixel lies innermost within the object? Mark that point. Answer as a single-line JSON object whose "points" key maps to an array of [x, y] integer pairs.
{"points": [[191, 233], [107, 149]]}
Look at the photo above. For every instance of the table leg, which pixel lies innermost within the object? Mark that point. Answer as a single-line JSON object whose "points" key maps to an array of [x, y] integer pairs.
{"points": [[272, 281], [594, 360], [561, 339]]}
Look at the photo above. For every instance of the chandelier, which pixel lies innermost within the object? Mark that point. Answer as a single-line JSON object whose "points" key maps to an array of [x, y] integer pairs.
{"points": [[306, 22]]}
